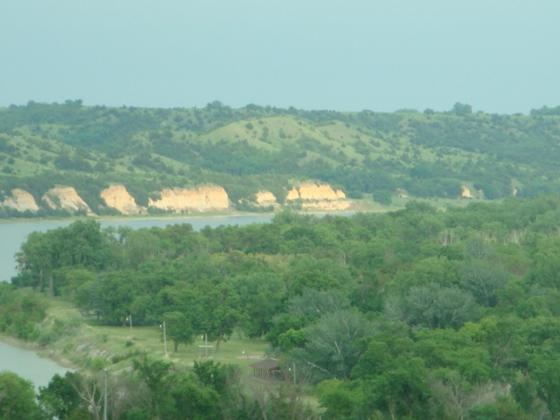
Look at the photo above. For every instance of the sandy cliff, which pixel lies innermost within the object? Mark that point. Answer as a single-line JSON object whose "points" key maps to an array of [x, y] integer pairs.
{"points": [[20, 200], [266, 199], [65, 198], [180, 200], [118, 198], [315, 196], [466, 192]]}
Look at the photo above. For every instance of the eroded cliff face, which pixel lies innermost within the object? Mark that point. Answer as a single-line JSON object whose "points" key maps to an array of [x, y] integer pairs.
{"points": [[180, 200], [315, 196], [466, 192], [65, 198], [266, 199], [118, 198], [20, 200]]}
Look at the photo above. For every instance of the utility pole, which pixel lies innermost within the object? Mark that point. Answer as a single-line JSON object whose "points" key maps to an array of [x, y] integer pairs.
{"points": [[164, 338], [105, 397], [205, 346]]}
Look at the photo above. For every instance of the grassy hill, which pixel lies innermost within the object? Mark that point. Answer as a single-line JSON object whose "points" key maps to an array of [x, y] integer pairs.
{"points": [[426, 154]]}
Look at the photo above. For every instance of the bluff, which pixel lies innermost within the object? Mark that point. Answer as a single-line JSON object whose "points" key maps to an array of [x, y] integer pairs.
{"points": [[198, 199], [66, 198], [315, 196], [20, 201], [117, 197]]}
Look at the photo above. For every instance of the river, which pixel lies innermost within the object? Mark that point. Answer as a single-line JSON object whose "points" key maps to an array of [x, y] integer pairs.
{"points": [[28, 364], [12, 234]]}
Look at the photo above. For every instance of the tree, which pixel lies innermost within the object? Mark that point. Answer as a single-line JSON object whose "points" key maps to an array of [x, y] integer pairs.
{"points": [[434, 307], [60, 398], [312, 304], [179, 328], [192, 400], [546, 371], [339, 398], [81, 244], [17, 398], [333, 345], [484, 280], [156, 375], [462, 109], [391, 378], [261, 296]]}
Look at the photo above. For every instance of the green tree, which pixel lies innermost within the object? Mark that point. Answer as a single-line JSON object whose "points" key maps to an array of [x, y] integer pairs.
{"points": [[462, 109], [61, 399], [484, 280], [546, 371], [333, 345], [179, 328], [17, 398], [157, 376], [434, 306]]}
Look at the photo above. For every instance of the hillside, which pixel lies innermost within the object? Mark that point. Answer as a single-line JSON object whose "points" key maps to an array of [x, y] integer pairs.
{"points": [[70, 158]]}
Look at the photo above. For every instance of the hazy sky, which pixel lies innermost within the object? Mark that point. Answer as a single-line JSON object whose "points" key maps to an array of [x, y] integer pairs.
{"points": [[498, 55]]}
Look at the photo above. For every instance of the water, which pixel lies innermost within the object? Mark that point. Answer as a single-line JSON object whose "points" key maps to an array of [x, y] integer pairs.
{"points": [[13, 234], [28, 365]]}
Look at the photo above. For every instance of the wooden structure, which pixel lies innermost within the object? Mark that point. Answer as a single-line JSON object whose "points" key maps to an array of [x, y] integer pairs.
{"points": [[267, 368]]}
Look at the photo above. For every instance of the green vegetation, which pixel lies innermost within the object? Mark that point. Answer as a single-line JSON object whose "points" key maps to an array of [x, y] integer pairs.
{"points": [[426, 154], [153, 389], [17, 398], [418, 313], [20, 311]]}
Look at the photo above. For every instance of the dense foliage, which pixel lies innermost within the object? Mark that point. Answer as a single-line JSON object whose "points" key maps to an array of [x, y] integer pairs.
{"points": [[413, 314], [20, 311], [154, 389], [428, 154]]}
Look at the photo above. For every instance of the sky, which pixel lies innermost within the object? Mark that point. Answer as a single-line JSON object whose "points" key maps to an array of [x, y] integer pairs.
{"points": [[497, 55]]}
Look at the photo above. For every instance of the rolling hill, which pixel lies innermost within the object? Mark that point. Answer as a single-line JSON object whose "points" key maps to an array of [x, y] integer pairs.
{"points": [[71, 158]]}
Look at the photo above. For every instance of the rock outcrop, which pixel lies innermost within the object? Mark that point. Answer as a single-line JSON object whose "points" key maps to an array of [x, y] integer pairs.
{"points": [[314, 196], [199, 199], [117, 197], [21, 201], [266, 199], [65, 198]]}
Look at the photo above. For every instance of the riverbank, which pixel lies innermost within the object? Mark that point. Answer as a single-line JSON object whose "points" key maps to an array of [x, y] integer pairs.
{"points": [[29, 362], [121, 217], [365, 205], [358, 205], [38, 350], [67, 339]]}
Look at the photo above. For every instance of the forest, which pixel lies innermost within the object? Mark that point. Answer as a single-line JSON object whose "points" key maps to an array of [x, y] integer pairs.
{"points": [[414, 314], [368, 154]]}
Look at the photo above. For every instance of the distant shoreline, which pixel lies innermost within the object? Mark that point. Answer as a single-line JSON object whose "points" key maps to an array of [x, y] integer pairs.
{"points": [[178, 216], [133, 217]]}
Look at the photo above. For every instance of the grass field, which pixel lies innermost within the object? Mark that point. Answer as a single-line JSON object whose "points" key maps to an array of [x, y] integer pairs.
{"points": [[91, 346]]}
